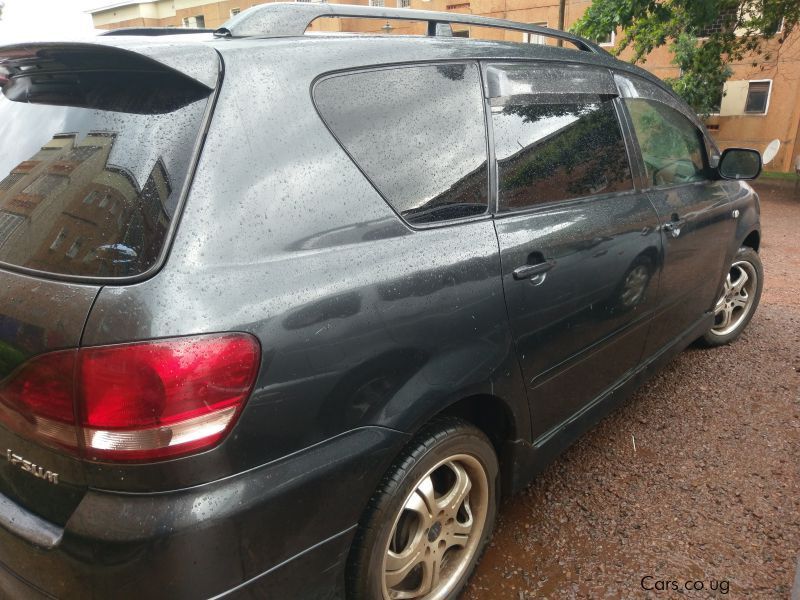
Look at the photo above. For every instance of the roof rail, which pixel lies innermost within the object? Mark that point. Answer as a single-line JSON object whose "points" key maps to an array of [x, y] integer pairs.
{"points": [[291, 19], [155, 30]]}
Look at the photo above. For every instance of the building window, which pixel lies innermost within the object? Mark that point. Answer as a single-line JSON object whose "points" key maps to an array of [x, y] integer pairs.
{"points": [[403, 3], [463, 33], [534, 38], [59, 239], [608, 40], [757, 97], [8, 223], [75, 248], [380, 3], [10, 181], [235, 11], [198, 22], [724, 22]]}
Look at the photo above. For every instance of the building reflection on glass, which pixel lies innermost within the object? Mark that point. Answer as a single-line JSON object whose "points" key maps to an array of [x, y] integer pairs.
{"points": [[68, 210]]}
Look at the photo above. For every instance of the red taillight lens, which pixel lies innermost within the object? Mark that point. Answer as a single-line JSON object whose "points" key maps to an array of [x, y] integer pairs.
{"points": [[165, 397], [141, 401], [37, 400]]}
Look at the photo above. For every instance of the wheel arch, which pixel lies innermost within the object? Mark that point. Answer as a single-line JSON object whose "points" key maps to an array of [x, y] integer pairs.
{"points": [[496, 419], [752, 240]]}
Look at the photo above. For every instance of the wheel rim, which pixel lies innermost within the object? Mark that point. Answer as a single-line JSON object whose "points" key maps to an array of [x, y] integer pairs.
{"points": [[737, 298], [437, 531], [634, 286]]}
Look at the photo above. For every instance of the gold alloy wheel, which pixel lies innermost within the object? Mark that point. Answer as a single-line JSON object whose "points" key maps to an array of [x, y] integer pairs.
{"points": [[437, 532], [737, 298]]}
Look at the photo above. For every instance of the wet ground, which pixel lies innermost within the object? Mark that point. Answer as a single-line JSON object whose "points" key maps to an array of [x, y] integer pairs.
{"points": [[710, 494]]}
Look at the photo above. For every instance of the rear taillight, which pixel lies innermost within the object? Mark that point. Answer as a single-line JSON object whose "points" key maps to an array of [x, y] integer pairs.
{"points": [[140, 401]]}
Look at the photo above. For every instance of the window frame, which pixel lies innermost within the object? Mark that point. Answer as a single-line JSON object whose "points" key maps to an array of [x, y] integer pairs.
{"points": [[494, 179], [766, 105], [491, 197]]}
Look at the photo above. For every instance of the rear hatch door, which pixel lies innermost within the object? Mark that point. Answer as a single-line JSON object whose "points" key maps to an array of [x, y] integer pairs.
{"points": [[97, 147]]}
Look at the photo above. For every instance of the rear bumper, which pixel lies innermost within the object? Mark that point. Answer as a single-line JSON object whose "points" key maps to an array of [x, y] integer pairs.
{"points": [[279, 531]]}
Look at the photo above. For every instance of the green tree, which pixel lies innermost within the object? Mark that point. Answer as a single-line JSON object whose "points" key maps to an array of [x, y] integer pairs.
{"points": [[705, 36]]}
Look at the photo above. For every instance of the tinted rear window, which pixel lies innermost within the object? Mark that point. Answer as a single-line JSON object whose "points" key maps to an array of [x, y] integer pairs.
{"points": [[88, 192], [417, 132]]}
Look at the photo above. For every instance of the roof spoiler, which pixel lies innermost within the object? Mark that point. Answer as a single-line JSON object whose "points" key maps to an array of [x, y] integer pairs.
{"points": [[156, 31], [107, 77]]}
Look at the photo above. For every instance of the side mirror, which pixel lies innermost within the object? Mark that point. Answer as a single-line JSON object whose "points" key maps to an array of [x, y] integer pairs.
{"points": [[739, 163]]}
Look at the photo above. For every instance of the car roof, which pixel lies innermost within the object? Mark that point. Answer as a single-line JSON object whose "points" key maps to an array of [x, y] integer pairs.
{"points": [[334, 50]]}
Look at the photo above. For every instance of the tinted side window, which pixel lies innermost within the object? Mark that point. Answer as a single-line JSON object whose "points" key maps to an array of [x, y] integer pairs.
{"points": [[556, 134], [417, 132], [673, 149]]}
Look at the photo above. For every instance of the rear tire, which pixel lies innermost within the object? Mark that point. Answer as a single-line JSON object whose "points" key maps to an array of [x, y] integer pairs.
{"points": [[738, 299], [430, 518]]}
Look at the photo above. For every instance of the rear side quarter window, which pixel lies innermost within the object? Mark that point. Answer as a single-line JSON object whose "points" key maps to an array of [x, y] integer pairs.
{"points": [[417, 132]]}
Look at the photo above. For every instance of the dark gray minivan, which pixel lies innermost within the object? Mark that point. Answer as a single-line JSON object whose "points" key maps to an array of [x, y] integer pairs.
{"points": [[283, 316]]}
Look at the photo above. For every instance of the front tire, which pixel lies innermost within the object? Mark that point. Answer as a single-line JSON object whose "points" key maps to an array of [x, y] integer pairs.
{"points": [[738, 300], [429, 520]]}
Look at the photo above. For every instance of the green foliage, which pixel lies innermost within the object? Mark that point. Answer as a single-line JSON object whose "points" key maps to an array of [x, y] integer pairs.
{"points": [[703, 36]]}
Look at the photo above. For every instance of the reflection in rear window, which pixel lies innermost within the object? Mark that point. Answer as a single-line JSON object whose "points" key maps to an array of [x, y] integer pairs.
{"points": [[87, 192]]}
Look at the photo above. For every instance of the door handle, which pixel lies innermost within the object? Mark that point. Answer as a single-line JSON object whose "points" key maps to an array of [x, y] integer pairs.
{"points": [[530, 271], [673, 227]]}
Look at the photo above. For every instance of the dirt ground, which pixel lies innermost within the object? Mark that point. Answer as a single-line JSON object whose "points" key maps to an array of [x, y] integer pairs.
{"points": [[711, 493]]}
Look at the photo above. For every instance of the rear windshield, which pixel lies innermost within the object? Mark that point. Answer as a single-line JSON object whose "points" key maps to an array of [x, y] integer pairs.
{"points": [[88, 192]]}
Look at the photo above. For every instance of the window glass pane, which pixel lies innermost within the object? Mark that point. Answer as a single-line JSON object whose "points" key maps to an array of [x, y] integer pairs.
{"points": [[62, 167], [417, 132], [673, 149], [757, 95], [556, 147]]}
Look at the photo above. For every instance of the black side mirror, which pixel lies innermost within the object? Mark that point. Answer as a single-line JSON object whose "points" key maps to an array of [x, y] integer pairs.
{"points": [[739, 163]]}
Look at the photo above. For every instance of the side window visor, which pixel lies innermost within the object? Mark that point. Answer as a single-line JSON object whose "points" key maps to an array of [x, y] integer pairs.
{"points": [[506, 80]]}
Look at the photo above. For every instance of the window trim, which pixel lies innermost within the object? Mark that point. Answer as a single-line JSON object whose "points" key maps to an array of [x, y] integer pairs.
{"points": [[766, 106], [491, 204]]}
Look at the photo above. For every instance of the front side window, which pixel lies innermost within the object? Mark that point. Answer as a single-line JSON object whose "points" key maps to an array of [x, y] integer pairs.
{"points": [[673, 149], [553, 143], [417, 132]]}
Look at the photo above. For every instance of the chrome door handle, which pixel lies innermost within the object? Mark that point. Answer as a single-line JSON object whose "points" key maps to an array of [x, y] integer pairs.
{"points": [[530, 271], [673, 227]]}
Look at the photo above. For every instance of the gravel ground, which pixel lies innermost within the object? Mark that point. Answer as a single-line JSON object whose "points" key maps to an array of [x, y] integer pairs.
{"points": [[711, 492]]}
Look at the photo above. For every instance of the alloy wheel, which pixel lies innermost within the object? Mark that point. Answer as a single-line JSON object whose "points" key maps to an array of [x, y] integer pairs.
{"points": [[736, 301], [437, 531]]}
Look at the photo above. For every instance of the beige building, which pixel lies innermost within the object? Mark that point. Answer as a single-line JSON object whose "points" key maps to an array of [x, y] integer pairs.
{"points": [[761, 103]]}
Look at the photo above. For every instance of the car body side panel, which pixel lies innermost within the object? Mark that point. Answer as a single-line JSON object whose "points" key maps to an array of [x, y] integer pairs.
{"points": [[206, 540], [362, 320]]}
